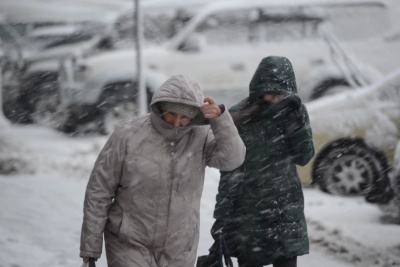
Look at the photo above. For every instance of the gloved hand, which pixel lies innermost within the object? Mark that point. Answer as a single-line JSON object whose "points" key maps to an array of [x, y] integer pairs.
{"points": [[291, 113], [91, 261], [291, 102], [218, 226], [294, 121], [213, 259]]}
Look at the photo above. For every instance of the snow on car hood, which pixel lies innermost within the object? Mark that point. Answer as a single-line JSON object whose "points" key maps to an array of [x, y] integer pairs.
{"points": [[374, 110]]}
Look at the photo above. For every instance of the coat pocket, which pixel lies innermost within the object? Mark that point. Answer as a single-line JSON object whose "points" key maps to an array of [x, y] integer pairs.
{"points": [[114, 222], [125, 226]]}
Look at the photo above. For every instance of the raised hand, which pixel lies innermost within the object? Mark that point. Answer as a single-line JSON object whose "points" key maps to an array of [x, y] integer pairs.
{"points": [[210, 108]]}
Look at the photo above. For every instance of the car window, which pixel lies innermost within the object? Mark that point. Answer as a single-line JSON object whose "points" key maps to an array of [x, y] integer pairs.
{"points": [[287, 24], [353, 22], [292, 23], [10, 32], [157, 27], [68, 40], [226, 28], [258, 25], [40, 41]]}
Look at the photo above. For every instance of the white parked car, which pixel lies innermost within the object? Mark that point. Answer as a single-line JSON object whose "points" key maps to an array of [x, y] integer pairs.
{"points": [[355, 135], [53, 42], [334, 45], [24, 84]]}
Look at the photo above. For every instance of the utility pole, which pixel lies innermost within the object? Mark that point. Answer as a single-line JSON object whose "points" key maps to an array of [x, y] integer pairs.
{"points": [[3, 120], [141, 83]]}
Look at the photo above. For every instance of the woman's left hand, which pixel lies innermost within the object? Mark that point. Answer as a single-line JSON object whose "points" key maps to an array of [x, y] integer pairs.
{"points": [[210, 108]]}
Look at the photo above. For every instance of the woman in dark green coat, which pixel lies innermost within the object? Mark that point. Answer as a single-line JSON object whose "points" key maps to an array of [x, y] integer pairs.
{"points": [[260, 205]]}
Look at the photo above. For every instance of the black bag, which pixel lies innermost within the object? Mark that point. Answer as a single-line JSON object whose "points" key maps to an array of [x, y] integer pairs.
{"points": [[223, 251], [222, 255]]}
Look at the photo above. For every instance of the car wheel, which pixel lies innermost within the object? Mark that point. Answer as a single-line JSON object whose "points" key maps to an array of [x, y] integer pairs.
{"points": [[49, 112], [350, 167], [120, 112], [16, 112]]}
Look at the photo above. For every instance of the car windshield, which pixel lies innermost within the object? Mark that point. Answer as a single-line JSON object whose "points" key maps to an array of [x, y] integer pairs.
{"points": [[73, 39], [50, 41]]}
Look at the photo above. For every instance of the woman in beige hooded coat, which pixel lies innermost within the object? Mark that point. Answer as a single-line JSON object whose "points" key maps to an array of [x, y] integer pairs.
{"points": [[145, 188]]}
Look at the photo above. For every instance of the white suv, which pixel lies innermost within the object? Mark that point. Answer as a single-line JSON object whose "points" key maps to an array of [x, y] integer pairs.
{"points": [[334, 45], [330, 43]]}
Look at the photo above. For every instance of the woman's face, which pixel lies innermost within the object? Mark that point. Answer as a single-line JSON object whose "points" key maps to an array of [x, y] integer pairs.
{"points": [[272, 98], [176, 119]]}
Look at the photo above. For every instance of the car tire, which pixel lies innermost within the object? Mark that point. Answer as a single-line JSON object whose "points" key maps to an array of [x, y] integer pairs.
{"points": [[33, 89], [349, 167], [49, 112], [16, 112]]}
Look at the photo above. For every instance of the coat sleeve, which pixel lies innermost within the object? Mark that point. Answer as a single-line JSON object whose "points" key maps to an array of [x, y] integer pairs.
{"points": [[301, 143], [100, 192], [224, 149]]}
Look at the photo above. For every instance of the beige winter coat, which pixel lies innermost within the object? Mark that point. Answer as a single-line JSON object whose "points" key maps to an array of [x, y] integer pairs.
{"points": [[145, 188]]}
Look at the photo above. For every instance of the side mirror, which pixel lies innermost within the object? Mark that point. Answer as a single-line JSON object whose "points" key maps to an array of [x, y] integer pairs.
{"points": [[194, 43]]}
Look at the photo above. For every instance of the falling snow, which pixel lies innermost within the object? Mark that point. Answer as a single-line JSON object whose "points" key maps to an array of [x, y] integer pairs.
{"points": [[43, 172]]}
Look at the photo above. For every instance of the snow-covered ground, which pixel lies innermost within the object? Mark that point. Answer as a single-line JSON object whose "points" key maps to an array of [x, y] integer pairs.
{"points": [[41, 212]]}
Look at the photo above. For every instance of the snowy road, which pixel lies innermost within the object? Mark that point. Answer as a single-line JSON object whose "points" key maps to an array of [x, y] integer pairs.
{"points": [[41, 214]]}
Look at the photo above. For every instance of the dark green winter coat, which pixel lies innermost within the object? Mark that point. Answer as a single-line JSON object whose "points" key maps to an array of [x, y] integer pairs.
{"points": [[263, 198]]}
